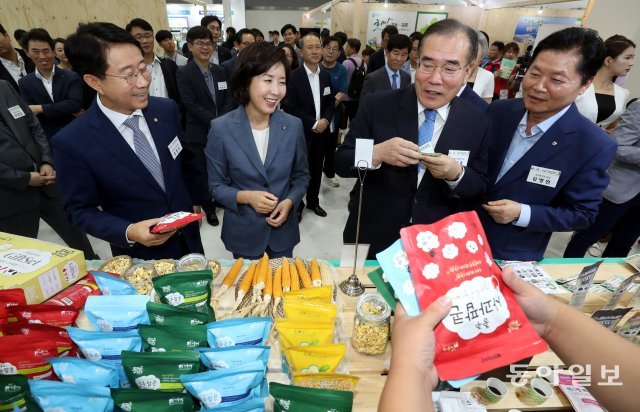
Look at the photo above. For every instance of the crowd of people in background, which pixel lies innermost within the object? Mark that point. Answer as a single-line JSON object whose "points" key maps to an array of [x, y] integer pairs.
{"points": [[496, 116]]}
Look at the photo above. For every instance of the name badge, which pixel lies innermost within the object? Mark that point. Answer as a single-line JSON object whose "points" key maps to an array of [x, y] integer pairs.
{"points": [[16, 111], [327, 90], [461, 156], [222, 85], [175, 147], [543, 176]]}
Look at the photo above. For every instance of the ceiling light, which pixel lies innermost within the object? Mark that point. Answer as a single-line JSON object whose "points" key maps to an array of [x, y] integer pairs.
{"points": [[540, 10], [442, 7], [386, 4]]}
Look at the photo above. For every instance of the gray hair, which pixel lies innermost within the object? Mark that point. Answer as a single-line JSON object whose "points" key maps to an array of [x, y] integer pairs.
{"points": [[482, 43], [314, 34], [451, 27]]}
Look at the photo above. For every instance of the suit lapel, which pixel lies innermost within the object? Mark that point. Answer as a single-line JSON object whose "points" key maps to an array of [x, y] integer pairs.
{"points": [[244, 137], [57, 85], [277, 132], [42, 91], [306, 85], [197, 74]]}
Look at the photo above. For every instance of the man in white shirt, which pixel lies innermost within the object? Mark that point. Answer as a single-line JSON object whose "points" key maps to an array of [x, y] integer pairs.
{"points": [[168, 43], [220, 54], [14, 62]]}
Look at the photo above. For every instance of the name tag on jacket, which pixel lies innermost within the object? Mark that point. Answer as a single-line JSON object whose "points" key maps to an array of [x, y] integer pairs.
{"points": [[543, 176]]}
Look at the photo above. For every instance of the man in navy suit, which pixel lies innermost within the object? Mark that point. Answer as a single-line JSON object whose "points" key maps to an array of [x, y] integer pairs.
{"points": [[120, 165], [311, 98], [404, 186], [548, 163], [472, 97], [53, 94], [14, 63]]}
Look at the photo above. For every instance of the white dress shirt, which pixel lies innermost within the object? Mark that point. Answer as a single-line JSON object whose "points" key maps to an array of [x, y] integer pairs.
{"points": [[484, 83], [261, 137], [47, 83], [314, 82], [177, 58], [214, 57], [157, 87], [16, 71]]}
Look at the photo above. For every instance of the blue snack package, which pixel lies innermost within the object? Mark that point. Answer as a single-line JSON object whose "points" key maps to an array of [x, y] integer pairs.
{"points": [[112, 285], [395, 265], [117, 313], [252, 405], [227, 388], [238, 331], [84, 372], [59, 396], [106, 347], [234, 356]]}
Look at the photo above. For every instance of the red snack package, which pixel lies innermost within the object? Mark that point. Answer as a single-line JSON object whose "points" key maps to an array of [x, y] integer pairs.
{"points": [[175, 221], [12, 297], [486, 327], [44, 314], [34, 330], [26, 355], [76, 295]]}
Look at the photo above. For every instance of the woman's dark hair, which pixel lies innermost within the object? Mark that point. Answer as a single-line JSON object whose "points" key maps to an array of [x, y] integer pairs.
{"points": [[255, 60], [257, 33], [294, 62], [368, 51], [586, 43], [40, 35], [616, 45]]}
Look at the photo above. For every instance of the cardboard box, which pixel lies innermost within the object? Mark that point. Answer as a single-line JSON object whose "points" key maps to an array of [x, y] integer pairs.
{"points": [[42, 269]]}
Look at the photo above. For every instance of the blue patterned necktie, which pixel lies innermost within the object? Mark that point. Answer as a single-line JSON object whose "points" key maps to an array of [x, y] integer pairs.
{"points": [[425, 132], [144, 151], [394, 83]]}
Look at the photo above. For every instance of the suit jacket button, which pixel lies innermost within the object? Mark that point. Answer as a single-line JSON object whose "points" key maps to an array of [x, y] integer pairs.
{"points": [[415, 200]]}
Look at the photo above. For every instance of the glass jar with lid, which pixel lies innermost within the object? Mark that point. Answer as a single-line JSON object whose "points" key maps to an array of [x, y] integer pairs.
{"points": [[371, 325]]}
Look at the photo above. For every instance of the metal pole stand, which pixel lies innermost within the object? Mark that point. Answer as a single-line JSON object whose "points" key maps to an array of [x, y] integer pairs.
{"points": [[352, 286]]}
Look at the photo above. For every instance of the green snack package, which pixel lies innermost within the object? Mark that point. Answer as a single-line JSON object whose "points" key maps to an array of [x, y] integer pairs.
{"points": [[140, 400], [163, 314], [15, 394], [297, 398], [159, 371], [160, 338], [187, 290], [383, 287]]}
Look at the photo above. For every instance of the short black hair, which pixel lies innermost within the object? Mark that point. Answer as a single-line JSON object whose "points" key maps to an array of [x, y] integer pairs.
{"points": [[416, 35], [163, 35], [616, 45], [342, 36], [242, 32], [586, 43], [368, 51], [59, 40], [354, 43], [197, 33], [451, 27], [294, 62], [255, 59], [499, 45], [231, 30], [390, 30], [206, 20], [138, 22], [257, 33], [329, 39], [40, 34], [81, 47], [324, 33], [287, 27], [399, 41], [512, 46]]}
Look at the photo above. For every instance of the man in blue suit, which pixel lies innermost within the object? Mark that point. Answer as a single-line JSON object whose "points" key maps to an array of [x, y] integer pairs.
{"points": [[120, 165], [548, 163], [53, 94]]}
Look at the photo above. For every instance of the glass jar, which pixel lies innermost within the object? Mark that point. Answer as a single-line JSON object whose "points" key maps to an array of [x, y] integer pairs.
{"points": [[191, 262], [371, 325]]}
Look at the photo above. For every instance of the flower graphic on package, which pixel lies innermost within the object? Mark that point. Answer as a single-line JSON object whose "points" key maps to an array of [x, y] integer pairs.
{"points": [[148, 382], [457, 230], [480, 240], [427, 241], [472, 246], [210, 398], [285, 403], [400, 260], [478, 307], [407, 288], [175, 299], [431, 271], [488, 259], [450, 251]]}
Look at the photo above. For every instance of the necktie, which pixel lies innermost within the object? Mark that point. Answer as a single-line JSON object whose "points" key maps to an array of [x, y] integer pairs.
{"points": [[144, 151], [394, 81], [425, 132]]}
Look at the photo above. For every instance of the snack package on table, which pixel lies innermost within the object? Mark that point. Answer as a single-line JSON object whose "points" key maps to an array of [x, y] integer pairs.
{"points": [[58, 396], [486, 327], [76, 295], [144, 400], [174, 221], [395, 265]]}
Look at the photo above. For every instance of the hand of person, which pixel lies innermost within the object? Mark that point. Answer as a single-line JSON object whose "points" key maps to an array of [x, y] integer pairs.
{"points": [[413, 340], [36, 108], [280, 213], [396, 152], [340, 96], [497, 73], [47, 170], [503, 211], [541, 310], [261, 202], [139, 233], [37, 179], [442, 167], [78, 114], [198, 209], [321, 126]]}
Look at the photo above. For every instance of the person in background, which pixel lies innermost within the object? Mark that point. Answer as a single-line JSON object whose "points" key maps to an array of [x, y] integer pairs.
{"points": [[412, 374], [60, 55], [168, 43], [342, 36], [501, 84], [291, 55], [257, 159], [14, 62], [275, 38], [352, 47], [604, 101], [482, 81], [257, 34], [412, 63], [220, 54], [289, 33], [324, 35], [366, 54], [485, 56], [494, 55], [390, 76], [619, 212], [235, 41], [243, 39], [20, 35], [379, 58], [228, 35], [340, 83], [53, 94]]}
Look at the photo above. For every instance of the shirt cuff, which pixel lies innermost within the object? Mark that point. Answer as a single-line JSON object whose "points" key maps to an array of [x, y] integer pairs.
{"points": [[525, 216], [453, 183], [127, 237], [315, 125]]}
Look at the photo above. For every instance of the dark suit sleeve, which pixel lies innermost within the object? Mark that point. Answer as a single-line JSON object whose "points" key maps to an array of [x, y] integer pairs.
{"points": [[292, 104], [330, 99], [10, 177], [170, 72], [72, 85], [32, 120], [367, 86], [186, 83], [190, 168], [300, 171], [228, 104]]}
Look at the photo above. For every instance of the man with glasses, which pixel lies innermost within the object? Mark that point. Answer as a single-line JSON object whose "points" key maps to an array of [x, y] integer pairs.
{"points": [[205, 94], [430, 148], [219, 54], [120, 166], [390, 76], [244, 38]]}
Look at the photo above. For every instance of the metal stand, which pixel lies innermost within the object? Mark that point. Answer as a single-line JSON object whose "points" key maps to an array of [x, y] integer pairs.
{"points": [[352, 286]]}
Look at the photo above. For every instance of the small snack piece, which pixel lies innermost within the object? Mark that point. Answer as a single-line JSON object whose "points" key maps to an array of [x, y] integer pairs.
{"points": [[174, 221], [165, 266], [302, 272], [117, 264], [333, 381], [192, 262], [140, 277], [215, 267], [371, 325]]}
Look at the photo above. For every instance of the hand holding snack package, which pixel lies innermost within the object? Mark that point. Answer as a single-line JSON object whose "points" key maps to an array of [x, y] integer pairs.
{"points": [[174, 221], [486, 327]]}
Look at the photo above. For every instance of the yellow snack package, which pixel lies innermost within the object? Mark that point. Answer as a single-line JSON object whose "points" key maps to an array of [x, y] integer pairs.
{"points": [[310, 310], [334, 381], [322, 293], [315, 359], [303, 333]]}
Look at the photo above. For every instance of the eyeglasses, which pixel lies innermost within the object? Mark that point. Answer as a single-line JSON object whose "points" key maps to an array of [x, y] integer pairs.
{"points": [[331, 49], [202, 44], [447, 69], [145, 36], [132, 78]]}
